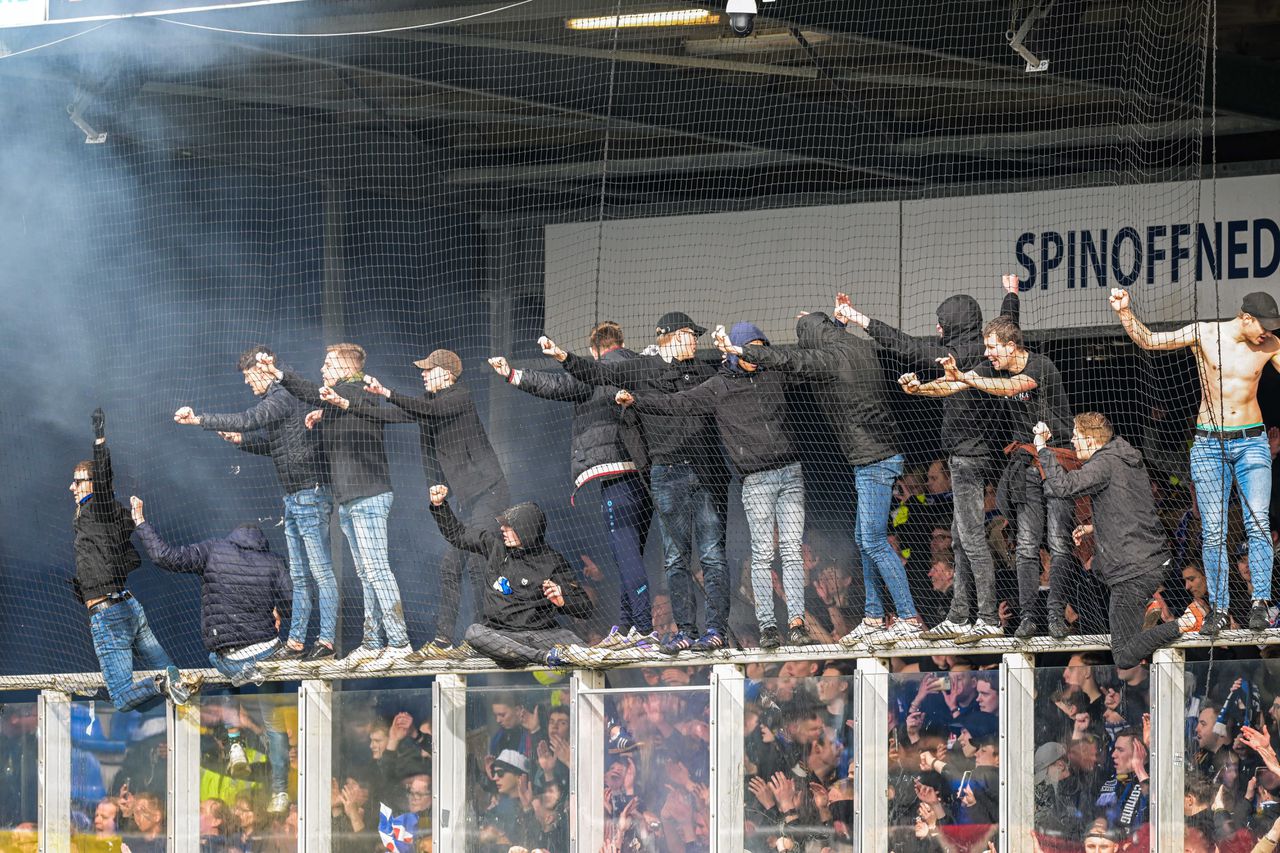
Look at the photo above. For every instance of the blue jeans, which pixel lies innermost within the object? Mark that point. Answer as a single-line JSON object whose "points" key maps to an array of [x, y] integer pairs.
{"points": [[364, 523], [241, 670], [880, 565], [692, 516], [627, 515], [776, 497], [1213, 464], [121, 635], [306, 530]]}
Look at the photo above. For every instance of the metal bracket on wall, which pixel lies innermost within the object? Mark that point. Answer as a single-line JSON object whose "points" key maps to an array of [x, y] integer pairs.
{"points": [[1016, 39]]}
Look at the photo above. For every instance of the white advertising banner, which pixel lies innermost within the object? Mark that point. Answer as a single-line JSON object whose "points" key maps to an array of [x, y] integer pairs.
{"points": [[22, 13], [899, 260]]}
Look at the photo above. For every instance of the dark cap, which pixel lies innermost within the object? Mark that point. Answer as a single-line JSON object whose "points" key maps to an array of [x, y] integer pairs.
{"points": [[675, 320], [442, 358], [1262, 307]]}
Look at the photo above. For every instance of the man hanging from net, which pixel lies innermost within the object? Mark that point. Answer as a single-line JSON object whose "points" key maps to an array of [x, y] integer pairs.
{"points": [[688, 478], [104, 558], [1230, 438], [1131, 551], [528, 583], [970, 456], [608, 445], [454, 441]]}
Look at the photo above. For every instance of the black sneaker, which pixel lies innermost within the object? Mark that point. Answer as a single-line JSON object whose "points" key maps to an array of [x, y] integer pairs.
{"points": [[1259, 615], [711, 641], [1027, 629], [1058, 628], [798, 635], [286, 653], [318, 652], [1216, 622], [770, 638]]}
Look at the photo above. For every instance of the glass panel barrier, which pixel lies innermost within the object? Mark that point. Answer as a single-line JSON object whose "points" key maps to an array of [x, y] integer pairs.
{"points": [[1232, 782], [798, 754], [382, 752], [249, 768], [19, 777], [119, 786], [657, 759], [1091, 760], [944, 754], [518, 759]]}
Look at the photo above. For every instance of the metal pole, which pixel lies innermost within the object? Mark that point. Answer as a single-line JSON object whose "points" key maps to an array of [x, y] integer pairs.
{"points": [[449, 762], [315, 765], [54, 722], [1017, 746], [183, 773], [586, 779], [1166, 764], [727, 792], [871, 755]]}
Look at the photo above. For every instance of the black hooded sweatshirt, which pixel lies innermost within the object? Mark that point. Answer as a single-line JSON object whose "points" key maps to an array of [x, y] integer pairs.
{"points": [[1127, 534], [960, 317], [847, 384], [524, 569]]}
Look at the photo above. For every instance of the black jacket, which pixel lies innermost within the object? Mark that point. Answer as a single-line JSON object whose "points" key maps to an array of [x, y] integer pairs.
{"points": [[750, 410], [452, 434], [673, 439], [281, 433], [1127, 535], [103, 528], [847, 384], [242, 582], [525, 608], [961, 320], [351, 438], [604, 433]]}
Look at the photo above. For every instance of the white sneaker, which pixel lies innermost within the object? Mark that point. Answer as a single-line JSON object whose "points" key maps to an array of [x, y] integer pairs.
{"points": [[903, 629], [981, 630], [390, 656], [863, 632], [237, 761], [362, 655], [947, 630], [279, 803]]}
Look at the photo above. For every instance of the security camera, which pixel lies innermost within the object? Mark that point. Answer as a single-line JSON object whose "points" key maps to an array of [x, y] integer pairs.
{"points": [[742, 16]]}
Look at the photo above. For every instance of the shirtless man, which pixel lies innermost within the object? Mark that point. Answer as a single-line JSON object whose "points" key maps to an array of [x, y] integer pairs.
{"points": [[1231, 438]]}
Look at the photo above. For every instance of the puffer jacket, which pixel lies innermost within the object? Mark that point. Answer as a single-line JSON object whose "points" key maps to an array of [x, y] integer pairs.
{"points": [[606, 437], [523, 607], [103, 528], [847, 383], [275, 426], [960, 317], [242, 582]]}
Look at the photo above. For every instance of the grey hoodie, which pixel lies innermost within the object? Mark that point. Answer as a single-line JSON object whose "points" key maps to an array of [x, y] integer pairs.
{"points": [[1127, 534]]}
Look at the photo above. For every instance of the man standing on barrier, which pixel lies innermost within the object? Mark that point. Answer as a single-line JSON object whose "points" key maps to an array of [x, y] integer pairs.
{"points": [[104, 558], [1131, 554], [1231, 438]]}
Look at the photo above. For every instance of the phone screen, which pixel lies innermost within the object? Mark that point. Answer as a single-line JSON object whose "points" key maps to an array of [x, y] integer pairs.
{"points": [[964, 780]]}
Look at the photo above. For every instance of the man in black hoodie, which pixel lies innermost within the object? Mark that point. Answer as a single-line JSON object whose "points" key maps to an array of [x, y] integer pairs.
{"points": [[970, 456], [608, 446], [1130, 551], [528, 584], [688, 479], [453, 440]]}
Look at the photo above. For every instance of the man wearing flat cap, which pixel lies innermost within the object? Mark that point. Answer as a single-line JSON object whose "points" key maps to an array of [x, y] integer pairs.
{"points": [[455, 452], [1230, 438], [687, 475]]}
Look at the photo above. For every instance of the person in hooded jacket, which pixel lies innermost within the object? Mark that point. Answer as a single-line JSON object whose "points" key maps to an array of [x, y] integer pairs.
{"points": [[528, 584], [847, 380], [970, 456], [750, 409], [687, 479], [607, 446], [454, 441], [1130, 551], [245, 594]]}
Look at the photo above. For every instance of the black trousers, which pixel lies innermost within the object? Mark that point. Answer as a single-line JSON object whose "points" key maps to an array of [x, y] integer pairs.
{"points": [[518, 647], [1130, 645]]}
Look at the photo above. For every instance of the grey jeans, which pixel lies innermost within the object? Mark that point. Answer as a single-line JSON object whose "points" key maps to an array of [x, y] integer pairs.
{"points": [[975, 568], [518, 648]]}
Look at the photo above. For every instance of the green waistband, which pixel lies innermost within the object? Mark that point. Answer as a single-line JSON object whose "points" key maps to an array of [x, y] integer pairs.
{"points": [[1208, 428]]}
